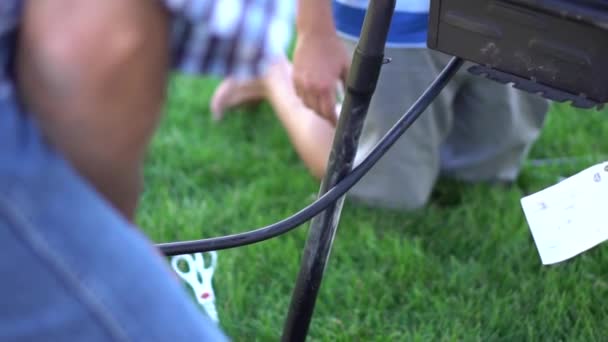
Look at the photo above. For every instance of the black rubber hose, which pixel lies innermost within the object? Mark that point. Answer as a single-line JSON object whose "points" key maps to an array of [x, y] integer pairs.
{"points": [[292, 222]]}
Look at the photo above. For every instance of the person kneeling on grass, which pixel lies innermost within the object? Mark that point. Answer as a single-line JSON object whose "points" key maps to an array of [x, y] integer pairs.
{"points": [[82, 84], [477, 130]]}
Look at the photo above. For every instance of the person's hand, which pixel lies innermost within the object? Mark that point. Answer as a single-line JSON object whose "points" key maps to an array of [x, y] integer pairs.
{"points": [[319, 62]]}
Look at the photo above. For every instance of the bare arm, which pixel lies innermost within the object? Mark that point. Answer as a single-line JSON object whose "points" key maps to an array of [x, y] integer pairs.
{"points": [[320, 58], [93, 74], [315, 17]]}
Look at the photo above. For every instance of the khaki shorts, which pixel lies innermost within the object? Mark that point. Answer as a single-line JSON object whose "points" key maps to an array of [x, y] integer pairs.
{"points": [[477, 130]]}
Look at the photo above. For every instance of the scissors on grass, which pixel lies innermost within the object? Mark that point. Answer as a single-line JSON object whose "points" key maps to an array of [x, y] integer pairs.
{"points": [[199, 277]]}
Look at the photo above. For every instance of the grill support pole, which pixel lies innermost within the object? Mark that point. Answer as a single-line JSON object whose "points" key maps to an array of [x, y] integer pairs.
{"points": [[361, 84]]}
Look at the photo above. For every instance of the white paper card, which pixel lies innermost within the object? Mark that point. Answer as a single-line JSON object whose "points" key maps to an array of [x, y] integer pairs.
{"points": [[570, 217]]}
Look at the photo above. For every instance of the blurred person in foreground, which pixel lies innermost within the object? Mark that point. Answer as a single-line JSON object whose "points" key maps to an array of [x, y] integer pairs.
{"points": [[82, 85], [477, 130]]}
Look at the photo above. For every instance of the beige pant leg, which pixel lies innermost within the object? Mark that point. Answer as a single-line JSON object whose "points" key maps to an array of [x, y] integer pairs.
{"points": [[494, 128], [405, 176]]}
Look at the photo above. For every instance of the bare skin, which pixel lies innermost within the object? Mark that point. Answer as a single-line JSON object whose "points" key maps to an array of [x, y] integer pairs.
{"points": [[311, 134], [96, 89], [304, 99], [320, 59]]}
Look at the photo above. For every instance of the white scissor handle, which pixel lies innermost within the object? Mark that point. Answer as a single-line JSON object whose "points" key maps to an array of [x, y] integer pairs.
{"points": [[199, 277], [201, 261], [190, 275]]}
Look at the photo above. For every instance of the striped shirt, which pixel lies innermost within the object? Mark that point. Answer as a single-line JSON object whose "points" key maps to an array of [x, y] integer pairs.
{"points": [[408, 26], [237, 38]]}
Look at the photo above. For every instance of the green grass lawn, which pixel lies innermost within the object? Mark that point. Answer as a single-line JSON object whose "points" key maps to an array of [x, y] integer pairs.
{"points": [[465, 268]]}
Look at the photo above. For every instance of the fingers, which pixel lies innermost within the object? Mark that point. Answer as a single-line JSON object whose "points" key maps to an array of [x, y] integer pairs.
{"points": [[306, 92], [319, 96], [327, 104]]}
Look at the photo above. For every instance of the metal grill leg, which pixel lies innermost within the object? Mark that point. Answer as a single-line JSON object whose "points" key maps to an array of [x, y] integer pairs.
{"points": [[361, 83]]}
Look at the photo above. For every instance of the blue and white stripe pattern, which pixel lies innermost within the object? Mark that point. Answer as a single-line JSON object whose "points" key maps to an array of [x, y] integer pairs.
{"points": [[237, 38], [408, 26]]}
